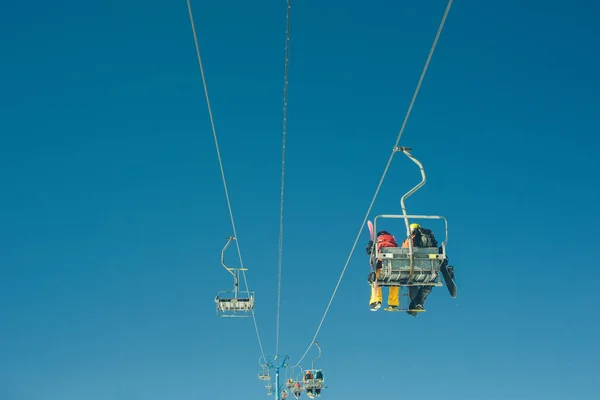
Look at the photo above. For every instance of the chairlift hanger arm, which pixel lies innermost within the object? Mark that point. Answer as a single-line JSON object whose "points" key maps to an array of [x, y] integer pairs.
{"points": [[319, 348], [406, 150], [299, 369], [261, 364], [229, 239], [319, 356]]}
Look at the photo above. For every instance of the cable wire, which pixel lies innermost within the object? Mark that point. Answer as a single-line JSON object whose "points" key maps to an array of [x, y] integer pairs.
{"points": [[285, 101], [212, 123], [412, 102]]}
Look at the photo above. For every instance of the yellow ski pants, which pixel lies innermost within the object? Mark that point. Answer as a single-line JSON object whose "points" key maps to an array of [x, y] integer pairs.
{"points": [[393, 296]]}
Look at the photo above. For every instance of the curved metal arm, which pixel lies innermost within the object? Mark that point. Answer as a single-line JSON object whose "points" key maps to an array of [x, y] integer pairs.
{"points": [[235, 276], [406, 150], [297, 375], [229, 239], [319, 356]]}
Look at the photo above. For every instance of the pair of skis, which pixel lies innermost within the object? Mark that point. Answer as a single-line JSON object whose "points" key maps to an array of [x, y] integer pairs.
{"points": [[373, 267]]}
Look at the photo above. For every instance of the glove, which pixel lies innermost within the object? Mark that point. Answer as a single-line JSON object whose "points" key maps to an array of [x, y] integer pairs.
{"points": [[369, 247], [371, 278]]}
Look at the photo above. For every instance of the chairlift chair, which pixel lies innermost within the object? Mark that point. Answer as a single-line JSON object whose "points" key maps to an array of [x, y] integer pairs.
{"points": [[269, 388], [234, 303], [316, 380], [411, 266], [264, 375]]}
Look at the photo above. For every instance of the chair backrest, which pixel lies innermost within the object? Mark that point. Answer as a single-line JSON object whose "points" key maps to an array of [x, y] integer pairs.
{"points": [[395, 262]]}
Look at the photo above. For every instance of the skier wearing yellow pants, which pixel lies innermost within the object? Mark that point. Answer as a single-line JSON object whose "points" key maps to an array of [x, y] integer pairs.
{"points": [[376, 296], [384, 239]]}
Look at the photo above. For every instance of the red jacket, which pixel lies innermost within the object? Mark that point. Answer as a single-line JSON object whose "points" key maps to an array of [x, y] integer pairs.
{"points": [[386, 241]]}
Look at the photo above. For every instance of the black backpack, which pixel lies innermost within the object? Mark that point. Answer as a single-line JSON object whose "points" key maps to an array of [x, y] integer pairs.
{"points": [[424, 238]]}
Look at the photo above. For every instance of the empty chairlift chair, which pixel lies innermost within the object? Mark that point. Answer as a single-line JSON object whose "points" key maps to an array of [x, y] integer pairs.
{"points": [[234, 303]]}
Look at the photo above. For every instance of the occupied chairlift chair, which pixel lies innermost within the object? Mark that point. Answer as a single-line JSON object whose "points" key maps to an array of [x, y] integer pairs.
{"points": [[314, 385], [412, 266], [234, 303], [296, 387]]}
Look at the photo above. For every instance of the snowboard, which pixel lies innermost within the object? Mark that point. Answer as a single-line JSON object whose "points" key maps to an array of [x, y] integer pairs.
{"points": [[448, 274], [372, 236]]}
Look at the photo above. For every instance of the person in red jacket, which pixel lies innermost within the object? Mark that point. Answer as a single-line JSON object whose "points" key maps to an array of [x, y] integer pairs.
{"points": [[297, 391], [384, 239]]}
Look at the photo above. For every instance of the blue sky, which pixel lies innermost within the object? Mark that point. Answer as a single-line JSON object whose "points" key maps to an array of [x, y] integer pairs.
{"points": [[113, 214]]}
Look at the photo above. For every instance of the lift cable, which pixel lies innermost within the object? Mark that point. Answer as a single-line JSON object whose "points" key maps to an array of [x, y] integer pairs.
{"points": [[285, 101], [221, 165], [395, 148]]}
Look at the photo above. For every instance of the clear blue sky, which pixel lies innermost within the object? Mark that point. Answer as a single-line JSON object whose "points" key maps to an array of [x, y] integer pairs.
{"points": [[113, 214]]}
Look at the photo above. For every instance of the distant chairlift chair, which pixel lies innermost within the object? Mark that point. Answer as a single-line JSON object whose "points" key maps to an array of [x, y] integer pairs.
{"points": [[234, 303]]}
